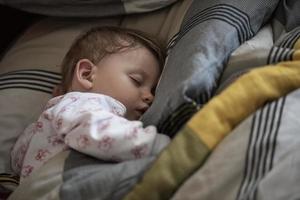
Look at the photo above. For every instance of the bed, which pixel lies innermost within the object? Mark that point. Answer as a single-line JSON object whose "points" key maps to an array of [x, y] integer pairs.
{"points": [[228, 96]]}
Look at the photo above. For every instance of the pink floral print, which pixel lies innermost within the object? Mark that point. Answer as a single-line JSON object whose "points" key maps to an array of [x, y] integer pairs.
{"points": [[39, 126], [132, 134], [47, 116], [139, 151], [55, 140], [104, 125], [26, 171], [42, 154], [59, 123], [83, 141], [106, 143]]}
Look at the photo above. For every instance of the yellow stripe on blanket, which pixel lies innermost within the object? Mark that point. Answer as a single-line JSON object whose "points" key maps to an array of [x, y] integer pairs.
{"points": [[189, 149], [171, 168], [296, 54], [242, 98], [297, 44]]}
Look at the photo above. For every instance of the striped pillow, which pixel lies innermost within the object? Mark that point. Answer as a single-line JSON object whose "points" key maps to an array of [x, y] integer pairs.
{"points": [[19, 91], [33, 79]]}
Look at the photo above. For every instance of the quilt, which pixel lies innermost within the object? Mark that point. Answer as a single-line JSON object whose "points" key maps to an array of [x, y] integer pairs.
{"points": [[91, 8]]}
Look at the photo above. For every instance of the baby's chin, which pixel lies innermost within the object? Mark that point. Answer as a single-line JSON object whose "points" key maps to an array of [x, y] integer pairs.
{"points": [[133, 115]]}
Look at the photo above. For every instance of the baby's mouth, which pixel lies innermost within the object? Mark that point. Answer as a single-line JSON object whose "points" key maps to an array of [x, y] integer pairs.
{"points": [[141, 111]]}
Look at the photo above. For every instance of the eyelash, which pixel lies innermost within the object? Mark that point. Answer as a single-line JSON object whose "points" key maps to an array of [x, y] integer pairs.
{"points": [[137, 82]]}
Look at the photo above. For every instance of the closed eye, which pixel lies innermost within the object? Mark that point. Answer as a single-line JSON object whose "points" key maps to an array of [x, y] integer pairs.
{"points": [[137, 81]]}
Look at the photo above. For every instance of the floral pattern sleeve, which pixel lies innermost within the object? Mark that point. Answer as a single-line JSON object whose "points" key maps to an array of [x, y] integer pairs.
{"points": [[95, 125]]}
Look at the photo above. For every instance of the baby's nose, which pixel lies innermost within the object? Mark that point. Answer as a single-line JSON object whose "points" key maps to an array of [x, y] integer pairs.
{"points": [[148, 97]]}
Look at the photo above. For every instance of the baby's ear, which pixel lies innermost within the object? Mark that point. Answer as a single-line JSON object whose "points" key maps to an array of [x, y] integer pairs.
{"points": [[84, 72]]}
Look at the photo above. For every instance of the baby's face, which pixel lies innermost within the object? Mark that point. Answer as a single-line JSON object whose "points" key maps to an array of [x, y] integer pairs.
{"points": [[129, 76]]}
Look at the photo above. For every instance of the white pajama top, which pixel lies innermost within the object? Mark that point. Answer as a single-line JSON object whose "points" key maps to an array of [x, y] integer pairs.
{"points": [[89, 123]]}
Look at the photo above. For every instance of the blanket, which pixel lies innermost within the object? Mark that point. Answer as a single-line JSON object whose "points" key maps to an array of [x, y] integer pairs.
{"points": [[91, 8], [72, 175], [198, 53], [200, 136], [259, 127]]}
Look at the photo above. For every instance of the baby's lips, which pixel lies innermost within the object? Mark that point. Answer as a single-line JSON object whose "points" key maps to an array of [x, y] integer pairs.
{"points": [[142, 109]]}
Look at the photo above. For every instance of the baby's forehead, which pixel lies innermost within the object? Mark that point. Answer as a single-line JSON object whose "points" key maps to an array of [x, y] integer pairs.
{"points": [[122, 46]]}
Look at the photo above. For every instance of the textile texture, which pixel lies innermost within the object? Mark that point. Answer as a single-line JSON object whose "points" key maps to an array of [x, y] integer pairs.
{"points": [[229, 97], [91, 8]]}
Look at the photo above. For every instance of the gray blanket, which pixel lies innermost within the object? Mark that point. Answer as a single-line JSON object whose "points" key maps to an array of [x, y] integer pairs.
{"points": [[88, 178], [210, 32], [91, 8]]}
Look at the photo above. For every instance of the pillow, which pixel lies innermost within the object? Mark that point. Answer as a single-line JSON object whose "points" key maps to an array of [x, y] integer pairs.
{"points": [[94, 8], [22, 96], [30, 69], [210, 32]]}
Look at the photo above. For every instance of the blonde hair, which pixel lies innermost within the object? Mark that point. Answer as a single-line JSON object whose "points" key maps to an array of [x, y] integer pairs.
{"points": [[99, 42]]}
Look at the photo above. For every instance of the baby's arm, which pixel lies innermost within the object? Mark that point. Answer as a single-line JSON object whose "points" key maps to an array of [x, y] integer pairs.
{"points": [[95, 129], [109, 137]]}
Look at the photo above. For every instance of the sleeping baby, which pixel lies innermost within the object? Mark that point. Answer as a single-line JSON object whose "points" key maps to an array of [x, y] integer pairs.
{"points": [[109, 77]]}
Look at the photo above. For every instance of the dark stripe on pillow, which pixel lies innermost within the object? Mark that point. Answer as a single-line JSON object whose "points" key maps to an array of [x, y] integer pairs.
{"points": [[182, 114], [172, 42], [26, 87], [177, 119], [39, 72], [291, 38], [226, 13], [284, 51], [14, 78], [278, 54], [39, 80]]}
